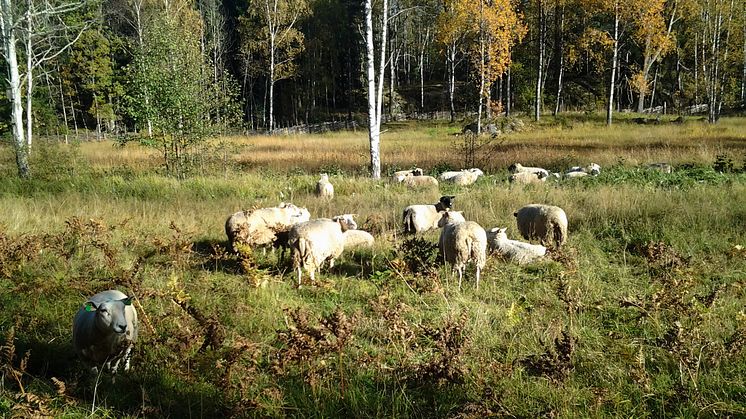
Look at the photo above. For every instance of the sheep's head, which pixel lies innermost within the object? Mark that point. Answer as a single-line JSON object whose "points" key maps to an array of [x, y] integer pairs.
{"points": [[110, 315], [476, 171], [514, 167], [448, 217], [446, 202], [346, 221], [324, 177], [417, 172], [594, 169]]}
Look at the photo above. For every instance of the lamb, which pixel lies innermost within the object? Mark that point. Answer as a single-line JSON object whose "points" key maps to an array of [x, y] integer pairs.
{"points": [[526, 178], [420, 218], [420, 181], [513, 250], [324, 188], [462, 242], [546, 223], [399, 176], [105, 330], [518, 168], [260, 226], [314, 241], [357, 238]]}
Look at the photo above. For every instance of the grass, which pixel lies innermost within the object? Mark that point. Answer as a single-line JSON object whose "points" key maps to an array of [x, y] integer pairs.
{"points": [[641, 314]]}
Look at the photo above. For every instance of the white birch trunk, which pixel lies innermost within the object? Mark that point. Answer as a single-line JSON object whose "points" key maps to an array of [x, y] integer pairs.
{"points": [[540, 65], [374, 130], [610, 105]]}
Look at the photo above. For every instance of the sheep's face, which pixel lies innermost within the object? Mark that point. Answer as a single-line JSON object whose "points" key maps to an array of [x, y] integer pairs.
{"points": [[447, 201], [450, 217], [477, 172], [110, 315], [346, 221], [324, 177], [594, 169], [513, 167]]}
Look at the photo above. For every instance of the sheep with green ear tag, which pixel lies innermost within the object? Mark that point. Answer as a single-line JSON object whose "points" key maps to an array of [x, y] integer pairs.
{"points": [[105, 330]]}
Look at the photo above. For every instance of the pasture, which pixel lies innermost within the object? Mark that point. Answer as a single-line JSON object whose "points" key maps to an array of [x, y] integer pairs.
{"points": [[640, 314]]}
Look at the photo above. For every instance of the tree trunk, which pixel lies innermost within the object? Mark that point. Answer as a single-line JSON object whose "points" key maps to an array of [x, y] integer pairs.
{"points": [[14, 80], [374, 103], [452, 79], [508, 99], [481, 66], [271, 83], [29, 81], [610, 105], [540, 62], [655, 83], [422, 70], [560, 42]]}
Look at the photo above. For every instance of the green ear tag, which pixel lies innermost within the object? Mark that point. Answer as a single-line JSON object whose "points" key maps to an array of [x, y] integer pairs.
{"points": [[88, 306], [127, 301]]}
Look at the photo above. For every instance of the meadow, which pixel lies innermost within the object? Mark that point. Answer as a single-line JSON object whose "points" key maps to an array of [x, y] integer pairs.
{"points": [[640, 314]]}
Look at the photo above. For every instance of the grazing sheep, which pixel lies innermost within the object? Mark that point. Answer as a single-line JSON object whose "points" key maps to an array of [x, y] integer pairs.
{"points": [[422, 217], [105, 330], [592, 169], [260, 226], [357, 238], [399, 176], [462, 242], [420, 181], [661, 167], [526, 178], [513, 250], [518, 168], [314, 241], [545, 223], [324, 188]]}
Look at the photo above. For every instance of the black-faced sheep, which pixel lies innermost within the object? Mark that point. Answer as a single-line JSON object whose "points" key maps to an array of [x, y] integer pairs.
{"points": [[462, 242], [546, 223], [105, 330], [422, 217]]}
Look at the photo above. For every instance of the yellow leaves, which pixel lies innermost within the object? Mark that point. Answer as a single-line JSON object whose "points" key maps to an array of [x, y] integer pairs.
{"points": [[639, 83], [593, 45]]}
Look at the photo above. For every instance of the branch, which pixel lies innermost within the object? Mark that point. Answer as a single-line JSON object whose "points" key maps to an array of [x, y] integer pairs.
{"points": [[46, 58]]}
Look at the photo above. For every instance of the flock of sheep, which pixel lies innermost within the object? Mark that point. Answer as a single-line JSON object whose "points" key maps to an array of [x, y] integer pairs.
{"points": [[105, 327]]}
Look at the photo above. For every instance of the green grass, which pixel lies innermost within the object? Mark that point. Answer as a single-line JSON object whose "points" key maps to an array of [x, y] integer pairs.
{"points": [[641, 314]]}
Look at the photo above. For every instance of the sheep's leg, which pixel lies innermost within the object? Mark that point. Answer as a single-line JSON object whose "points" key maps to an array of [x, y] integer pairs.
{"points": [[127, 356], [299, 272], [331, 263], [460, 276], [312, 273], [478, 271]]}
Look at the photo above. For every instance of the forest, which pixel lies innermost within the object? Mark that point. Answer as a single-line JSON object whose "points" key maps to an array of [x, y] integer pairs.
{"points": [[179, 71]]}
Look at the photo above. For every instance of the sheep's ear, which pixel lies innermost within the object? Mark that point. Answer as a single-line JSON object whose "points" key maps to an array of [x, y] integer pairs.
{"points": [[89, 306], [502, 230], [127, 301]]}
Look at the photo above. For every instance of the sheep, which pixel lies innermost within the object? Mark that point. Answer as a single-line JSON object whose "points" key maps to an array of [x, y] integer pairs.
{"points": [[592, 169], [357, 238], [546, 223], [513, 250], [105, 330], [518, 168], [661, 167], [421, 217], [399, 176], [260, 226], [314, 241], [574, 174], [420, 181], [324, 188], [526, 178], [461, 242], [463, 177]]}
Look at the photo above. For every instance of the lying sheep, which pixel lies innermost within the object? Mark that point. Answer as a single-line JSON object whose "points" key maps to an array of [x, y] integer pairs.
{"points": [[660, 167], [513, 250], [324, 188], [592, 169], [357, 238], [462, 177], [315, 241], [518, 168], [525, 178], [399, 176], [420, 181], [105, 330], [462, 242], [260, 226], [422, 217], [545, 223]]}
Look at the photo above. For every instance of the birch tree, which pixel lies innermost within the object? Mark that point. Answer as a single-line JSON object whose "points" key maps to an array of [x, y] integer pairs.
{"points": [[44, 32], [375, 82]]}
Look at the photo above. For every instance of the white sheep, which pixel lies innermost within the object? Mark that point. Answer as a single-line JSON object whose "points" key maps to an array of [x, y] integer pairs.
{"points": [[105, 330], [260, 226], [546, 223], [399, 176], [357, 238], [422, 217], [526, 178], [592, 169], [518, 168], [420, 181], [463, 177], [462, 242], [315, 241], [324, 188], [513, 250]]}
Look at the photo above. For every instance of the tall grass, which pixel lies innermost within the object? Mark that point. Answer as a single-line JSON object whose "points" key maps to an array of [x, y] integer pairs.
{"points": [[640, 314]]}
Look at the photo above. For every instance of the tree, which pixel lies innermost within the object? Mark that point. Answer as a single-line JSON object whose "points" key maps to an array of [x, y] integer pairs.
{"points": [[45, 32], [277, 39], [375, 84], [452, 28]]}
